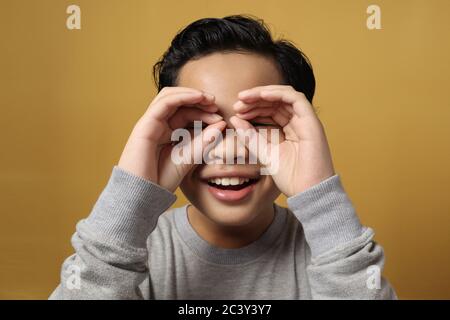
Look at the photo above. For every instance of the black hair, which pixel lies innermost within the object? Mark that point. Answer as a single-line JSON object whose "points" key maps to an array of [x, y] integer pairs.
{"points": [[234, 33]]}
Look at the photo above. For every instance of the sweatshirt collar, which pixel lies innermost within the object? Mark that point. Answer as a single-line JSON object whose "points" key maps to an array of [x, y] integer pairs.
{"points": [[226, 256]]}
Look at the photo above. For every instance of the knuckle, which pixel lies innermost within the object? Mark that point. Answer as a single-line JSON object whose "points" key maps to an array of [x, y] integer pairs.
{"points": [[301, 94], [164, 89]]}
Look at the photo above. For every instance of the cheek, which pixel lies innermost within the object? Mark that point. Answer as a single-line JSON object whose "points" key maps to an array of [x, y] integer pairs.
{"points": [[270, 189], [189, 189], [189, 183]]}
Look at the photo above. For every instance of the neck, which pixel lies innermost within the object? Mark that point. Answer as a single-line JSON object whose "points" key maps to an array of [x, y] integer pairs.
{"points": [[230, 237]]}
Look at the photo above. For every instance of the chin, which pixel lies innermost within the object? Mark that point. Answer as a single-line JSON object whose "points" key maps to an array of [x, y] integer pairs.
{"points": [[235, 204]]}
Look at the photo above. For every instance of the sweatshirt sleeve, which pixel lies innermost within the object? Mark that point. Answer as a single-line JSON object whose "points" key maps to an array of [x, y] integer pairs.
{"points": [[345, 261], [110, 259]]}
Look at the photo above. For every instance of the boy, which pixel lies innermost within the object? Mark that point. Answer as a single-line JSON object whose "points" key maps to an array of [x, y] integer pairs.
{"points": [[231, 241]]}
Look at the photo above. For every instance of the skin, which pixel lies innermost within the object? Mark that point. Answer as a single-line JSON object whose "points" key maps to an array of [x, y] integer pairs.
{"points": [[241, 90], [244, 222]]}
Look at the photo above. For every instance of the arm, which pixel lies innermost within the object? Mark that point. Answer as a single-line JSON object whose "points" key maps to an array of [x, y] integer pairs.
{"points": [[110, 260], [342, 251], [346, 262]]}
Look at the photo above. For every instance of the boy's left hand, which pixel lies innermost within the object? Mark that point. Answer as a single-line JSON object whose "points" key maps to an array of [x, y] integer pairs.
{"points": [[304, 155]]}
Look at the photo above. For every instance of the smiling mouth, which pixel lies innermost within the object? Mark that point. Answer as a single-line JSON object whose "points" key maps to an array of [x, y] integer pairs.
{"points": [[233, 187]]}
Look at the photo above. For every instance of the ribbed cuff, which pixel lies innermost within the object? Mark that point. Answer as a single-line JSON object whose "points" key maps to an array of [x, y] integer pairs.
{"points": [[327, 215], [128, 208]]}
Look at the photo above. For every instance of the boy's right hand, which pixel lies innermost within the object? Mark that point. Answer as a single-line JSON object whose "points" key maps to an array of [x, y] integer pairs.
{"points": [[147, 153]]}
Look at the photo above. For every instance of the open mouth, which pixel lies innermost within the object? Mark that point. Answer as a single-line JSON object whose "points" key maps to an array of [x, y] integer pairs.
{"points": [[231, 183], [231, 189]]}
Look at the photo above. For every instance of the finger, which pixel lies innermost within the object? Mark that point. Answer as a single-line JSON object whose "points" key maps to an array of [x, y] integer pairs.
{"points": [[241, 106], [284, 112], [256, 112], [253, 93], [207, 103], [192, 150], [183, 116], [283, 118], [289, 109], [167, 91], [257, 144], [282, 93], [300, 104], [209, 136], [167, 106], [280, 116]]}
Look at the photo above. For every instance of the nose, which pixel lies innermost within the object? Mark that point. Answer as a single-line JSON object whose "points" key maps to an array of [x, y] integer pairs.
{"points": [[228, 149]]}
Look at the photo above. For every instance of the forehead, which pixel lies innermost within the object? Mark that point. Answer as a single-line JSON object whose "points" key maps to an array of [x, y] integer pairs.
{"points": [[226, 74]]}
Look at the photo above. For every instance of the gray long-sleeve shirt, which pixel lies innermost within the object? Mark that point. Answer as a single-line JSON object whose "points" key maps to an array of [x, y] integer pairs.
{"points": [[132, 246]]}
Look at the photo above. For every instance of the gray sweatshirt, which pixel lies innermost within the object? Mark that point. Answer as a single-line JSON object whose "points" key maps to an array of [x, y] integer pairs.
{"points": [[132, 246]]}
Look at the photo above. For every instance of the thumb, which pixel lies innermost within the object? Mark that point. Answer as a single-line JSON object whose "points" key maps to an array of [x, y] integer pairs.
{"points": [[190, 151], [258, 145], [203, 138]]}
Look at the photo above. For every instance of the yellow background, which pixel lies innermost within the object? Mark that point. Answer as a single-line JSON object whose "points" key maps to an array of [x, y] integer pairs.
{"points": [[69, 100]]}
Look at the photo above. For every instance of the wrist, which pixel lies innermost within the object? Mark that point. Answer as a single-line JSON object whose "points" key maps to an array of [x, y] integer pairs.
{"points": [[327, 215], [312, 181], [139, 159]]}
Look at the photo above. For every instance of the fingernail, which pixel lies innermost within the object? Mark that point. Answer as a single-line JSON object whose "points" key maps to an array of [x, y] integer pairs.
{"points": [[208, 95], [217, 116], [243, 93]]}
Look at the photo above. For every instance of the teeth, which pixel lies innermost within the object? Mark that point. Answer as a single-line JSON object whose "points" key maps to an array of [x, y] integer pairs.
{"points": [[234, 181]]}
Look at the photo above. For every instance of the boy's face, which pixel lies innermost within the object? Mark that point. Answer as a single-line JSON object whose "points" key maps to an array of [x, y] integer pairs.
{"points": [[224, 75]]}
